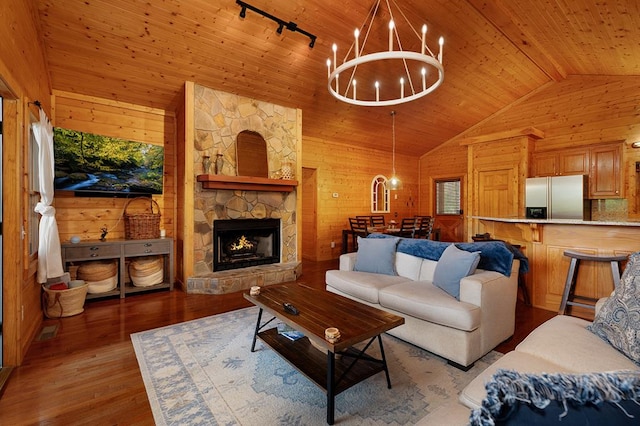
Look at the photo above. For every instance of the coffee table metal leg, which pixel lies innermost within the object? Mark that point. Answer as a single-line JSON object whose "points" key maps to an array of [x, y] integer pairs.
{"points": [[255, 334], [384, 362], [331, 363]]}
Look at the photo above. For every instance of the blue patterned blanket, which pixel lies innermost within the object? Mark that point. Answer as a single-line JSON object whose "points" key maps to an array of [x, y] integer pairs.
{"points": [[494, 255]]}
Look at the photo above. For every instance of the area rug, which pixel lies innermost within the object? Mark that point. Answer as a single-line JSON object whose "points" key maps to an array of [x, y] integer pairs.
{"points": [[203, 372]]}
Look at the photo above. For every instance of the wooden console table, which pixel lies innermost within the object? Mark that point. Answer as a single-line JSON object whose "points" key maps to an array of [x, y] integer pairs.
{"points": [[122, 250]]}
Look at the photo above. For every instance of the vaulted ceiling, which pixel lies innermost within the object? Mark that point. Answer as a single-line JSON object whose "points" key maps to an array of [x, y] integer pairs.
{"points": [[495, 52]]}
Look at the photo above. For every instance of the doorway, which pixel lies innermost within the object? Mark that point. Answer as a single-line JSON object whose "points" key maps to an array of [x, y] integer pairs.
{"points": [[448, 208], [309, 214]]}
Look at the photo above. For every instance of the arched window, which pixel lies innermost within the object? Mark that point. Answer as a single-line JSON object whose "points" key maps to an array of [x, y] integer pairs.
{"points": [[379, 195]]}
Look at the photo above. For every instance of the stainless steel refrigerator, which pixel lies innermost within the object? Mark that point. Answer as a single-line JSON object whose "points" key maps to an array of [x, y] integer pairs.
{"points": [[558, 197]]}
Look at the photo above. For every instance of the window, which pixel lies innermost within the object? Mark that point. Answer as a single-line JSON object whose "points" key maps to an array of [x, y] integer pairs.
{"points": [[448, 197], [379, 195]]}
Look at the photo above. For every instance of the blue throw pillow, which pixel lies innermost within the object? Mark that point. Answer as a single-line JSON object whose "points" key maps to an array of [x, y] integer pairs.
{"points": [[618, 321], [376, 255], [454, 265]]}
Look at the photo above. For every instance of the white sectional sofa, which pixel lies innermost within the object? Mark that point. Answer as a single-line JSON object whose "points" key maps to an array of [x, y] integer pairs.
{"points": [[461, 331], [565, 368]]}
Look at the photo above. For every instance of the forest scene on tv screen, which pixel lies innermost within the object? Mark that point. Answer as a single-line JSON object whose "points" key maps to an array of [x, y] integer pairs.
{"points": [[90, 163]]}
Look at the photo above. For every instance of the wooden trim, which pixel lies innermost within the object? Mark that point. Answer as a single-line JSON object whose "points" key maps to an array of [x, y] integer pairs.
{"points": [[532, 132], [247, 183], [112, 103]]}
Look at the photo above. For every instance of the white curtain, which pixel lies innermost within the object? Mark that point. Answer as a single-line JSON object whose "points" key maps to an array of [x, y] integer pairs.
{"points": [[49, 254]]}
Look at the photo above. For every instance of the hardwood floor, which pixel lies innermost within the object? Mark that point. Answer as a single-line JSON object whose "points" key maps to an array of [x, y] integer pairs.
{"points": [[88, 372]]}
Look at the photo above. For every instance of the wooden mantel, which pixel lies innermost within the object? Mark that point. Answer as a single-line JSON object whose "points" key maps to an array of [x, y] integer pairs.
{"points": [[246, 183]]}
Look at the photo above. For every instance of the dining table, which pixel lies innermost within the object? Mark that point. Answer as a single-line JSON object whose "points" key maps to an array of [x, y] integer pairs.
{"points": [[389, 230]]}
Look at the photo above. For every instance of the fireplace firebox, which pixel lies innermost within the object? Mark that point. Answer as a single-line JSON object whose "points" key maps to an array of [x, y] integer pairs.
{"points": [[240, 243]]}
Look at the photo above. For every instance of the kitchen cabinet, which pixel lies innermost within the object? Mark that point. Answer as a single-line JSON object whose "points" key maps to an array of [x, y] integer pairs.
{"points": [[560, 163], [123, 251], [605, 180], [600, 162]]}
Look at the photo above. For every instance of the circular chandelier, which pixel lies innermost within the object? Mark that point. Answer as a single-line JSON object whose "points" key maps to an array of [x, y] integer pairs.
{"points": [[426, 58]]}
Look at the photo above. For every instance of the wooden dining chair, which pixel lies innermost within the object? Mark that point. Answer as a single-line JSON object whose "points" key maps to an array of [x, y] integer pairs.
{"points": [[407, 227], [424, 225], [367, 218], [359, 228], [377, 221]]}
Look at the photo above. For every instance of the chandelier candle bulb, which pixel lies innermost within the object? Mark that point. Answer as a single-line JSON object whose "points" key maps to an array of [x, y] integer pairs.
{"points": [[424, 33], [335, 50], [391, 25], [377, 92], [401, 87], [441, 43], [424, 78], [354, 90], [356, 33], [328, 68]]}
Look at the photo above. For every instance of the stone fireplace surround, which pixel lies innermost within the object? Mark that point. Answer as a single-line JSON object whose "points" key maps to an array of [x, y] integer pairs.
{"points": [[219, 117]]}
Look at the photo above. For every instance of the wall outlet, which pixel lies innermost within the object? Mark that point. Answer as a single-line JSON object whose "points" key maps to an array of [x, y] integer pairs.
{"points": [[333, 244]]}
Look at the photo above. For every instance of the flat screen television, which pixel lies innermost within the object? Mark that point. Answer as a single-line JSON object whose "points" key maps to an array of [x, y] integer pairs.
{"points": [[95, 165]]}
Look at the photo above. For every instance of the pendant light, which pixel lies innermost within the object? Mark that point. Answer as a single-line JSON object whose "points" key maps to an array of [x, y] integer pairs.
{"points": [[394, 182]]}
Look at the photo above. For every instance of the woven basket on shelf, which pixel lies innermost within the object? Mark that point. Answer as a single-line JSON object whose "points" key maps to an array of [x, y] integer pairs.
{"points": [[140, 226], [63, 303], [100, 275], [147, 271]]}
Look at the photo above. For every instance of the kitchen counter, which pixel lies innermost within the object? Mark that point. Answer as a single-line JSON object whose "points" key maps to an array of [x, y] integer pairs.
{"points": [[544, 242], [557, 221]]}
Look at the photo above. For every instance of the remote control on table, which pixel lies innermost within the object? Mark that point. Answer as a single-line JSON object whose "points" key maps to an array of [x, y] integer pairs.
{"points": [[288, 307]]}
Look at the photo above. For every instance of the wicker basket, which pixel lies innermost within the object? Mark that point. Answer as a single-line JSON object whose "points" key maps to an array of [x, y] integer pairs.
{"points": [[147, 271], [63, 303], [101, 275], [140, 226]]}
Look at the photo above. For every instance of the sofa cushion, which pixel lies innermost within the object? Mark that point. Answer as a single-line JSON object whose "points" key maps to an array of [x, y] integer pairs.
{"points": [[618, 320], [423, 300], [377, 255], [427, 270], [453, 265], [408, 266], [565, 341], [363, 285], [473, 394]]}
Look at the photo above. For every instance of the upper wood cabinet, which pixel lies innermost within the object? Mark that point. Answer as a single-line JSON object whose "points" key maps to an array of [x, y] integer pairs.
{"points": [[558, 163], [600, 162], [605, 177]]}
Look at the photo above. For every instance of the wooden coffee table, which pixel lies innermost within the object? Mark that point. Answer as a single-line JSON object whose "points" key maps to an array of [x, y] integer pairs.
{"points": [[319, 310]]}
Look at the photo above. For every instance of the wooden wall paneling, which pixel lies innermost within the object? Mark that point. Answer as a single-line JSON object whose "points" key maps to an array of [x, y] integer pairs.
{"points": [[309, 214], [22, 60], [348, 171], [85, 216]]}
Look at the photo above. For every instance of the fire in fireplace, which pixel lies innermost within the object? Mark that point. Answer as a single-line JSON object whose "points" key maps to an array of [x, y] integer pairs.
{"points": [[239, 243]]}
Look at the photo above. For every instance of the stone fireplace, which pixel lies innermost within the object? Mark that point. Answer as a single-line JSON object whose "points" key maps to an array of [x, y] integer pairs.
{"points": [[219, 118], [240, 243]]}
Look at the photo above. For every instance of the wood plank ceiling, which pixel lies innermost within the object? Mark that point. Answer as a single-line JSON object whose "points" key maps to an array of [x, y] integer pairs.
{"points": [[142, 51]]}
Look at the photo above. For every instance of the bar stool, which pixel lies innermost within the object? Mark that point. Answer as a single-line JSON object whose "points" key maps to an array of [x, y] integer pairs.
{"points": [[568, 295]]}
